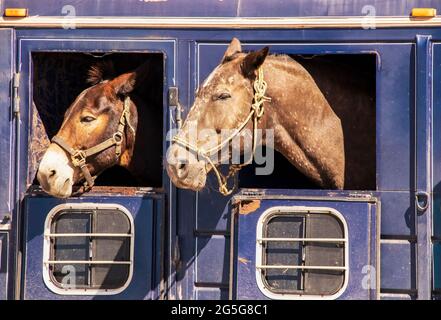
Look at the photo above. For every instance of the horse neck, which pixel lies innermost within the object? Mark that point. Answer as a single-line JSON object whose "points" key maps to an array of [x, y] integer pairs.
{"points": [[306, 129], [286, 80]]}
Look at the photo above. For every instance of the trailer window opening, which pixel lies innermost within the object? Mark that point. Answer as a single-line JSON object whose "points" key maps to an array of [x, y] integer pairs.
{"points": [[301, 252], [348, 82], [88, 250], [59, 77]]}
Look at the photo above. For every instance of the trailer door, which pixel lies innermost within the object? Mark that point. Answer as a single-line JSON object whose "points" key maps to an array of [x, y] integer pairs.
{"points": [[108, 243], [305, 249]]}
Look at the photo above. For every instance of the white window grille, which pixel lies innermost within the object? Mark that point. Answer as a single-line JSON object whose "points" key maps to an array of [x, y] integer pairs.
{"points": [[88, 249], [302, 253]]}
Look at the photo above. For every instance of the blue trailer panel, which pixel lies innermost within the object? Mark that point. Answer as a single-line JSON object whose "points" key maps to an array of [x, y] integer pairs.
{"points": [[361, 217], [148, 219], [205, 247]]}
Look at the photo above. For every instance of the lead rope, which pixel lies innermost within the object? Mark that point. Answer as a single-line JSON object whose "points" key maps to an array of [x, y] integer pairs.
{"points": [[257, 110]]}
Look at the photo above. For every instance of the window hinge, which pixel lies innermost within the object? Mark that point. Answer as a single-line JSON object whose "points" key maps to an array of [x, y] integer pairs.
{"points": [[5, 223], [15, 87]]}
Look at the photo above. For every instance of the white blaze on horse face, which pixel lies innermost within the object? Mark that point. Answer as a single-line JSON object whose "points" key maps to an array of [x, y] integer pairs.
{"points": [[55, 173]]}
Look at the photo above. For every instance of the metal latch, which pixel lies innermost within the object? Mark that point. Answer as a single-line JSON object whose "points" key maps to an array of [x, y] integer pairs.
{"points": [[173, 102], [5, 223], [15, 86], [177, 254], [422, 200]]}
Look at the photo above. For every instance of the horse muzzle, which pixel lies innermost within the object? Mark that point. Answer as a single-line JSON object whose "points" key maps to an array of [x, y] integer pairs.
{"points": [[55, 174], [185, 170]]}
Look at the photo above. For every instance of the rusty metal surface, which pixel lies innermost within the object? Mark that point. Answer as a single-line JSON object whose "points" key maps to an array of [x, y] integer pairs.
{"points": [[249, 206], [39, 142]]}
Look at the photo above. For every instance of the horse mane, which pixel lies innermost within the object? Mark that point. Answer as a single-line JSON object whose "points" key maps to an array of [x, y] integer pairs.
{"points": [[101, 71]]}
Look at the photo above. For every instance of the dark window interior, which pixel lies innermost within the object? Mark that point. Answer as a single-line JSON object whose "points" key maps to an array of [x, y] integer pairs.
{"points": [[59, 77], [91, 248], [290, 253], [349, 84]]}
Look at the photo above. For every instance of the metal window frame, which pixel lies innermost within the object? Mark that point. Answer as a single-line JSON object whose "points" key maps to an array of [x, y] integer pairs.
{"points": [[260, 239], [48, 235]]}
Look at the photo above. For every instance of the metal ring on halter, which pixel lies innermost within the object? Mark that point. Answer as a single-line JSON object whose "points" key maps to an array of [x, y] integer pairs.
{"points": [[78, 158], [118, 137]]}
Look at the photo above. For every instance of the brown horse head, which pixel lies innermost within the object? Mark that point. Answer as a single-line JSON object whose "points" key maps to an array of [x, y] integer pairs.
{"points": [[306, 130], [93, 118]]}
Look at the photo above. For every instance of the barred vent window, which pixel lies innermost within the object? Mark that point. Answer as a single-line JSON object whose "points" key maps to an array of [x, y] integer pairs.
{"points": [[302, 253], [88, 249]]}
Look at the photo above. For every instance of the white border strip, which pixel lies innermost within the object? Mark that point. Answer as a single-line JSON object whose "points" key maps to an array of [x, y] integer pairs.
{"points": [[46, 249], [216, 23], [280, 210]]}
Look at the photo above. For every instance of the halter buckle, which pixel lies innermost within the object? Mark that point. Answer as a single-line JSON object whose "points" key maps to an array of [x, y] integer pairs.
{"points": [[117, 137], [79, 158]]}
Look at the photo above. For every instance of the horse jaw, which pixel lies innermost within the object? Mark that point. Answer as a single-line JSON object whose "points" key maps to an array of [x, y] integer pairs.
{"points": [[55, 173]]}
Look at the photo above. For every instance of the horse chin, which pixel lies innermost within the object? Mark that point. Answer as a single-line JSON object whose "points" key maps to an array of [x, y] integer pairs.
{"points": [[199, 182], [195, 184], [59, 187], [194, 181], [55, 174]]}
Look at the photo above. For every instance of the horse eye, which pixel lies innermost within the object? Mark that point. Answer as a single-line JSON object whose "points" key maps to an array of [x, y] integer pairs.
{"points": [[223, 96], [87, 119]]}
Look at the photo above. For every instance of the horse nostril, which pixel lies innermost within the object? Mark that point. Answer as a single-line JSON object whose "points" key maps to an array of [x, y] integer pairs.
{"points": [[52, 173], [182, 169], [66, 182]]}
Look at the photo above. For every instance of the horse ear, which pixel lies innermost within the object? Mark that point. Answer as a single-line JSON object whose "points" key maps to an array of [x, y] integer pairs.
{"points": [[253, 61], [233, 48], [127, 82]]}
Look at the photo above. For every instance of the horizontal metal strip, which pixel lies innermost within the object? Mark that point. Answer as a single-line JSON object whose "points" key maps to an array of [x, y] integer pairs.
{"points": [[209, 233], [85, 262], [213, 22], [339, 240], [399, 291], [211, 285], [112, 235], [302, 267], [411, 238]]}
